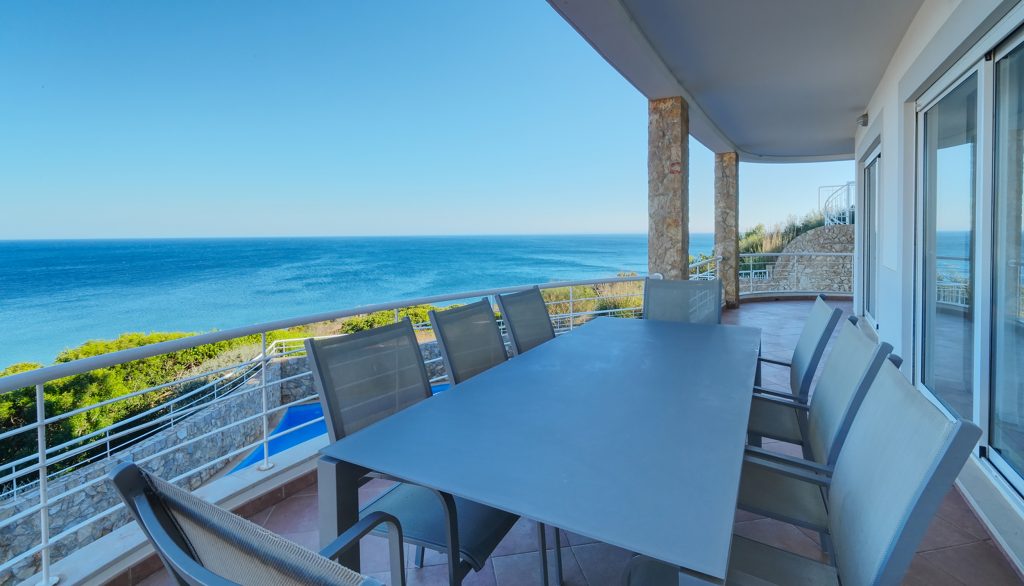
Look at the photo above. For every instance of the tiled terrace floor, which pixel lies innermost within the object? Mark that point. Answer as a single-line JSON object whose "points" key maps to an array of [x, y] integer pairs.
{"points": [[956, 550]]}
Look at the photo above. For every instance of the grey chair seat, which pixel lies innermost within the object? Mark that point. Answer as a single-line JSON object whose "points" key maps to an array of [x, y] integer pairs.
{"points": [[422, 517], [766, 492], [775, 421], [751, 564]]}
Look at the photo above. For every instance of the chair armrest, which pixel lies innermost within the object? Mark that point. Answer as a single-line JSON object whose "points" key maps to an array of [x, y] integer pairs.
{"points": [[773, 361], [782, 394], [790, 460], [364, 526], [798, 473], [783, 402]]}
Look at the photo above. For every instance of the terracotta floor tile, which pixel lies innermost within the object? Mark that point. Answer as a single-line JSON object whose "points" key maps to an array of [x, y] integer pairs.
{"points": [[438, 576], [576, 539], [975, 563], [601, 563], [941, 534], [523, 569], [956, 510], [781, 535], [158, 578], [924, 573], [522, 538], [296, 514]]}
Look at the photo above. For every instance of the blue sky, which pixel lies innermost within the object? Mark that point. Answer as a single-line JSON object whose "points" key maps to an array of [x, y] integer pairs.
{"points": [[195, 118]]}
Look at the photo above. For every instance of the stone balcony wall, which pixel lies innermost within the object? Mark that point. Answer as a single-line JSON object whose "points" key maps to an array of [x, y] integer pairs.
{"points": [[833, 274]]}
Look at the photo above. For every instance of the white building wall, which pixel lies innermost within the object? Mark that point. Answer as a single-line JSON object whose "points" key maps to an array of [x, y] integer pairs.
{"points": [[888, 119], [943, 33]]}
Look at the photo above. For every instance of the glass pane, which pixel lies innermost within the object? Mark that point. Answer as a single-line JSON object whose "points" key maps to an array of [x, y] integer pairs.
{"points": [[950, 144], [870, 221], [1007, 403]]}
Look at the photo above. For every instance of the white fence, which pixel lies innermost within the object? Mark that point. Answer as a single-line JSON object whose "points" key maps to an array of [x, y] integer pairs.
{"points": [[796, 273]]}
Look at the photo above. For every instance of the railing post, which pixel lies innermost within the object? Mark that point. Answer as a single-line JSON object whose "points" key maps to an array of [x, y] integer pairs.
{"points": [[44, 510], [267, 464], [396, 316], [572, 309]]}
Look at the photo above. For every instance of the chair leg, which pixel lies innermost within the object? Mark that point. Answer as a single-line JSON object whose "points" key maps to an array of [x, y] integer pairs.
{"points": [[826, 545], [419, 556], [542, 541], [558, 557], [753, 440]]}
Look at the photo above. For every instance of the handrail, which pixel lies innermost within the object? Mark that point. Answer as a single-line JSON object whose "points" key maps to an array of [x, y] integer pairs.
{"points": [[65, 369], [788, 254]]}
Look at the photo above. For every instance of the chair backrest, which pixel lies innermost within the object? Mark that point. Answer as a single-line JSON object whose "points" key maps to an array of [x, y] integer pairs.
{"points": [[809, 347], [865, 327], [366, 376], [846, 375], [201, 543], [697, 301], [897, 464], [469, 339], [526, 319]]}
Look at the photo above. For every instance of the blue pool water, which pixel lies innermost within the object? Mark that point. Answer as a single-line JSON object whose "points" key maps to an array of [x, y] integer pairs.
{"points": [[294, 417]]}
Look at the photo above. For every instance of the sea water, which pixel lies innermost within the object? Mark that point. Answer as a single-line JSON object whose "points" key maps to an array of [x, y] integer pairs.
{"points": [[57, 294]]}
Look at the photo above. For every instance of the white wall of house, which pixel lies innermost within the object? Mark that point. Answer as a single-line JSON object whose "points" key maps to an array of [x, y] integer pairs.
{"points": [[946, 39]]}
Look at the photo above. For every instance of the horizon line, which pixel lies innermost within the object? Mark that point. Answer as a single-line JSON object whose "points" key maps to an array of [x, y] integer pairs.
{"points": [[323, 236]]}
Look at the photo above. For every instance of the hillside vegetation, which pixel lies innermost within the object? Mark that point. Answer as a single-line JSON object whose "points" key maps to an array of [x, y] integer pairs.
{"points": [[772, 239]]}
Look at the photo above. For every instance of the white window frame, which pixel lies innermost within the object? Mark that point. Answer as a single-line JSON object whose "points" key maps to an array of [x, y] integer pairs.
{"points": [[983, 181], [864, 223]]}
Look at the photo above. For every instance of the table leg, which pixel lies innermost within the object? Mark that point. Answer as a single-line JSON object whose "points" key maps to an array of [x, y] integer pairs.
{"points": [[542, 541], [338, 499]]}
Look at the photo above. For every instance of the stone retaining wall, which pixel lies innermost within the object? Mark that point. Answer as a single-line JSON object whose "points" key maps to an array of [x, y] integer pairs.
{"points": [[812, 273]]}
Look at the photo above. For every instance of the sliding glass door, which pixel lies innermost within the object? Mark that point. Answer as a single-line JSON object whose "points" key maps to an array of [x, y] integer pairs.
{"points": [[950, 143], [1006, 429]]}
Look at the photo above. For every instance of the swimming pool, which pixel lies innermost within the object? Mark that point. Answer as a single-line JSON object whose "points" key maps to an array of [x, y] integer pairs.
{"points": [[294, 417]]}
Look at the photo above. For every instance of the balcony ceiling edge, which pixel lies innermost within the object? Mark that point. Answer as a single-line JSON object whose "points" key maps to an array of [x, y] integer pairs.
{"points": [[757, 77]]}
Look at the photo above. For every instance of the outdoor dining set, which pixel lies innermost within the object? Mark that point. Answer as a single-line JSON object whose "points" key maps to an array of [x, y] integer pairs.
{"points": [[645, 434]]}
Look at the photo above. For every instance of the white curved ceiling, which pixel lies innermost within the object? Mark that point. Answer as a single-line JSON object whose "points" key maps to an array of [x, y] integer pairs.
{"points": [[773, 79]]}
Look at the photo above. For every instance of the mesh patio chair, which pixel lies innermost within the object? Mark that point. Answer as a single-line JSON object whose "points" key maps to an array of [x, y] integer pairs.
{"points": [[470, 343], [820, 427], [809, 347], [866, 328], [469, 339], [526, 319], [899, 460], [696, 301], [200, 543], [364, 377]]}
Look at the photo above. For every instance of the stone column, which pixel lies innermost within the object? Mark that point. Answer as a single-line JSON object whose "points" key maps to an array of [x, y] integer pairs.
{"points": [[727, 235], [668, 174]]}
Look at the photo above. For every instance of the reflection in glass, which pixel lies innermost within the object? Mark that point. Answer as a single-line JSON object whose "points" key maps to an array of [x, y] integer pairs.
{"points": [[870, 220], [1007, 399], [950, 142]]}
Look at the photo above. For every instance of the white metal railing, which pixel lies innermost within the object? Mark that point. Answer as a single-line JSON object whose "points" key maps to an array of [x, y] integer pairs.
{"points": [[836, 203], [29, 479], [952, 281], [796, 273]]}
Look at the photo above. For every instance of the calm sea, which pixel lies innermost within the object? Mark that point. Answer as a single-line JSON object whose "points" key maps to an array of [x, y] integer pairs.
{"points": [[57, 294]]}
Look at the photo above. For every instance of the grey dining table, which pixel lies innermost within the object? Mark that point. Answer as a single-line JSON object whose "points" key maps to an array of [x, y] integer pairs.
{"points": [[630, 432]]}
